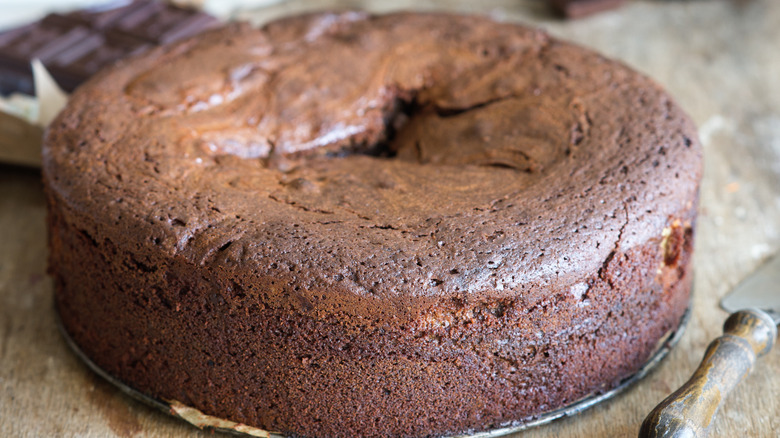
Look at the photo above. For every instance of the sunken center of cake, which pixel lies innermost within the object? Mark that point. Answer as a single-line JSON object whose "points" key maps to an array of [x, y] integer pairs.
{"points": [[363, 116]]}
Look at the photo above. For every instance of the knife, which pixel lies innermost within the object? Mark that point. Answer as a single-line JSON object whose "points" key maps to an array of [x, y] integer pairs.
{"points": [[749, 332]]}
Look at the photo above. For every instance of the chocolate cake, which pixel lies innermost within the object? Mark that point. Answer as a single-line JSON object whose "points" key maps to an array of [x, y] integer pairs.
{"points": [[352, 225]]}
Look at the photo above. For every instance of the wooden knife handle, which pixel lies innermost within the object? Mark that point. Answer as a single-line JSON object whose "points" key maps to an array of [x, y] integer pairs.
{"points": [[688, 412]]}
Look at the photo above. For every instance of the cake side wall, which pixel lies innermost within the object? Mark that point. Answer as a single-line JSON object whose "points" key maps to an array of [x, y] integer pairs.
{"points": [[177, 331]]}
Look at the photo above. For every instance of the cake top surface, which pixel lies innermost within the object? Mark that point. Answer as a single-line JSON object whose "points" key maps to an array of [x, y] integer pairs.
{"points": [[400, 158]]}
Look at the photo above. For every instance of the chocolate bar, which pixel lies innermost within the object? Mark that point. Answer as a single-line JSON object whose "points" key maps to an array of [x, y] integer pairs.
{"points": [[581, 8], [74, 46]]}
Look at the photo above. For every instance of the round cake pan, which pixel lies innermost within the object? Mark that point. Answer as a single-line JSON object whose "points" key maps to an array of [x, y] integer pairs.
{"points": [[207, 422]]}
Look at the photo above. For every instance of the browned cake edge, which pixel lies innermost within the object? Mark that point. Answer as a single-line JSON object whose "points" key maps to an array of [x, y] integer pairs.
{"points": [[164, 328]]}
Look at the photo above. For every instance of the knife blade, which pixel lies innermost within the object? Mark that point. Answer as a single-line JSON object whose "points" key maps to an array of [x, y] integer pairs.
{"points": [[749, 333], [760, 290]]}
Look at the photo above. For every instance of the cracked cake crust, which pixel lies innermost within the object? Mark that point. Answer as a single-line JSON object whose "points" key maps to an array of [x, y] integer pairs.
{"points": [[398, 225]]}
